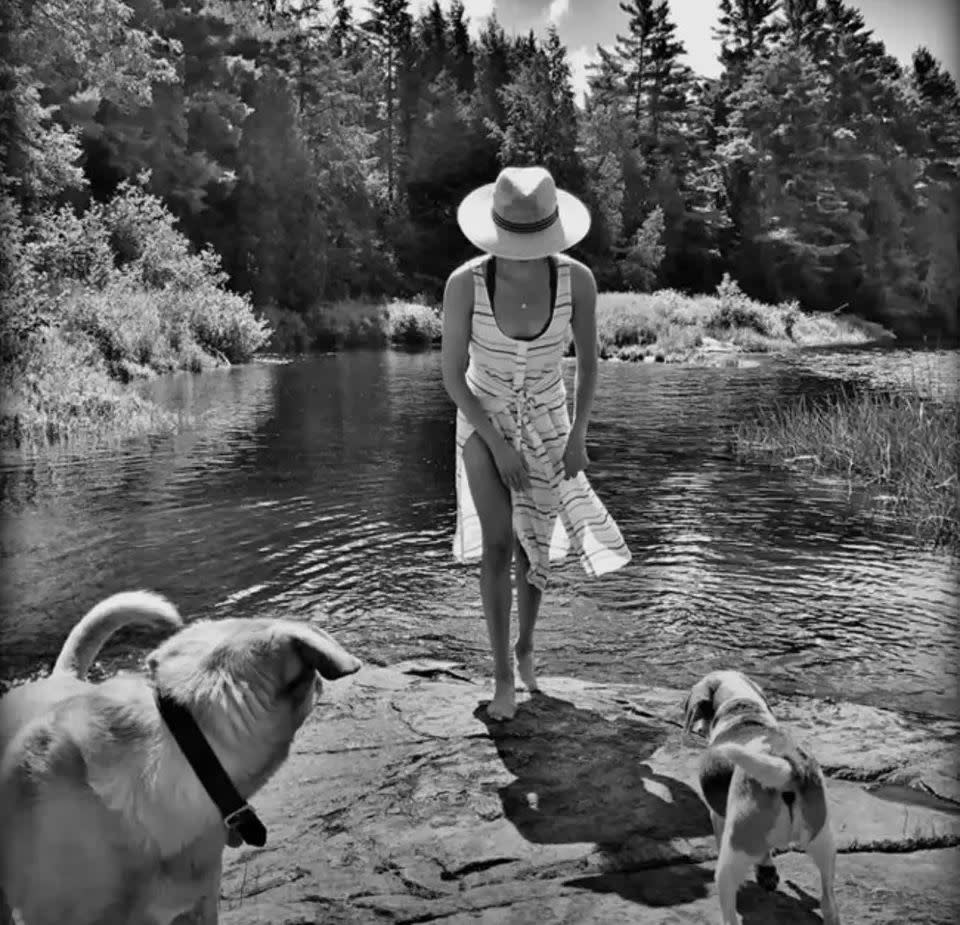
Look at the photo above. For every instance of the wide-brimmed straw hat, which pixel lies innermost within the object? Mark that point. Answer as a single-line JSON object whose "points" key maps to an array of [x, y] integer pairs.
{"points": [[523, 215]]}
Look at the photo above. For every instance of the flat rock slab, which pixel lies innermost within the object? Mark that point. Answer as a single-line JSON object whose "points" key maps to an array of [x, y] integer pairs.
{"points": [[402, 803]]}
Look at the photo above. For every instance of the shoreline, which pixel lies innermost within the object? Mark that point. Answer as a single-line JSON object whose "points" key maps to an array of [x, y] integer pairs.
{"points": [[400, 802], [145, 418]]}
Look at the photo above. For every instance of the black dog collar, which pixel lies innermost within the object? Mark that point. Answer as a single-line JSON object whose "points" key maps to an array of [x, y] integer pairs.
{"points": [[238, 815]]}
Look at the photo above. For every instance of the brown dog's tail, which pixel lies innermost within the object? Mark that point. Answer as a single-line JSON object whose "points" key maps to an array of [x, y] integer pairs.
{"points": [[88, 637], [767, 769]]}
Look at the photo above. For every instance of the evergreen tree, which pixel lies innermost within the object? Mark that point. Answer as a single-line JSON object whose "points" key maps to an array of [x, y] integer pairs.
{"points": [[461, 64], [540, 119], [800, 24], [390, 28], [633, 53], [745, 29], [341, 36], [433, 43]]}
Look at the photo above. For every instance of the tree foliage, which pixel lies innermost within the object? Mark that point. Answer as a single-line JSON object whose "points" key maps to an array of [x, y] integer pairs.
{"points": [[321, 152]]}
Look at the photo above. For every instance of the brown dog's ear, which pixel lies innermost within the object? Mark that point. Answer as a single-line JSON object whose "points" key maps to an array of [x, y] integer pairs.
{"points": [[321, 651], [699, 704]]}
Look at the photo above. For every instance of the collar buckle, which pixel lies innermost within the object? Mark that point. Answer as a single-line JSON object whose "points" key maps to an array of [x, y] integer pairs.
{"points": [[233, 820]]}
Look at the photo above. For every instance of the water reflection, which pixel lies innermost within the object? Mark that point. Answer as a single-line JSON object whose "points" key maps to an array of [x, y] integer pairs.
{"points": [[324, 487]]}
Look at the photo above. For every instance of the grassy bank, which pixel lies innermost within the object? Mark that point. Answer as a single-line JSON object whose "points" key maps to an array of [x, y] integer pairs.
{"points": [[903, 449], [96, 300], [672, 327], [665, 325]]}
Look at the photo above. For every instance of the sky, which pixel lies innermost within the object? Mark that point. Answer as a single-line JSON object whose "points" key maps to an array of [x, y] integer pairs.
{"points": [[583, 24]]}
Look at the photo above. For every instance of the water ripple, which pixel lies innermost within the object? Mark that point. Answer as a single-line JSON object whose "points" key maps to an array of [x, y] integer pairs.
{"points": [[323, 489]]}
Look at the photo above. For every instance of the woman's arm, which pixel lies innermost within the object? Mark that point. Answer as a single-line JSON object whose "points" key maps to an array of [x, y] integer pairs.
{"points": [[584, 327], [457, 319]]}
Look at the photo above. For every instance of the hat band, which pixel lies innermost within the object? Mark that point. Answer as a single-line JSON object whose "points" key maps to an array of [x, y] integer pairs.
{"points": [[526, 227]]}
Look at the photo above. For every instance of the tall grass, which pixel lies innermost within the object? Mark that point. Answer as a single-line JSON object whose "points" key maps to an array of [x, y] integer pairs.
{"points": [[64, 392], [903, 448], [670, 326]]}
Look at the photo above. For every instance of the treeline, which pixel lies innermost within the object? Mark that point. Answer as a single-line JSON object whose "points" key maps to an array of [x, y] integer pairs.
{"points": [[322, 155]]}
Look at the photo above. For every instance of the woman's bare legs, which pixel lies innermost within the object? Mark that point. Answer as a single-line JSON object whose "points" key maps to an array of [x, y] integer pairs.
{"points": [[492, 501], [528, 607]]}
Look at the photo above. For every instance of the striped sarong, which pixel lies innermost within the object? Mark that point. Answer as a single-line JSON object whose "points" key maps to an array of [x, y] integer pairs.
{"points": [[520, 385]]}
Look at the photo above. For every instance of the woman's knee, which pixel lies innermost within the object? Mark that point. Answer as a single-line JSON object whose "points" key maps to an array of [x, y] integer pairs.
{"points": [[498, 548]]}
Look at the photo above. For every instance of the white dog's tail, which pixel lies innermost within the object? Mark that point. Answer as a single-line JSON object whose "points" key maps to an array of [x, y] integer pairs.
{"points": [[88, 637], [768, 770]]}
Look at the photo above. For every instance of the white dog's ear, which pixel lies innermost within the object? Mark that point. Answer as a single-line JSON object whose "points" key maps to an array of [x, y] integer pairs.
{"points": [[320, 650], [758, 689], [699, 704]]}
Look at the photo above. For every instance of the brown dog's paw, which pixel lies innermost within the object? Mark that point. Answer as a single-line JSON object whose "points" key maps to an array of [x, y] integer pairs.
{"points": [[767, 877]]}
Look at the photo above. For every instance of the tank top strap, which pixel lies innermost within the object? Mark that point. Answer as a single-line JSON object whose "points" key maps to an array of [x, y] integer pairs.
{"points": [[563, 306], [480, 299]]}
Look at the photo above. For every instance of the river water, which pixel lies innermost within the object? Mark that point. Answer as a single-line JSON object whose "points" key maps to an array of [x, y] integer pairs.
{"points": [[323, 488]]}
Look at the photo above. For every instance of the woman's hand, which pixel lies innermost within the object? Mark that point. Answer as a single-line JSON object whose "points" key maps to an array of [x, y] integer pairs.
{"points": [[575, 458], [512, 466]]}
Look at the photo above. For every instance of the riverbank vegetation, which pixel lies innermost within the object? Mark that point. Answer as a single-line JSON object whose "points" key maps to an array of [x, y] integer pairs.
{"points": [[100, 299], [903, 449], [670, 326], [666, 325], [302, 162]]}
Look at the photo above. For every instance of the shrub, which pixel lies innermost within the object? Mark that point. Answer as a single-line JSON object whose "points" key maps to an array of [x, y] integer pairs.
{"points": [[410, 324], [121, 320], [222, 323], [147, 245], [347, 323], [64, 247], [289, 331], [736, 310]]}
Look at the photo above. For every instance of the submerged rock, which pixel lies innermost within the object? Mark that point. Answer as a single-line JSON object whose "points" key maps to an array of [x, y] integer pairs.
{"points": [[402, 803]]}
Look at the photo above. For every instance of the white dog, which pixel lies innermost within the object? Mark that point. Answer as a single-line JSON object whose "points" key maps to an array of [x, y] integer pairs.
{"points": [[116, 799], [763, 791]]}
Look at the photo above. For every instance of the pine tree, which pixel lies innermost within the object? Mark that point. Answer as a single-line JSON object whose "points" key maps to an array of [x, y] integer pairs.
{"points": [[493, 72], [461, 63], [605, 80], [669, 78], [432, 39], [341, 28], [633, 52], [745, 31], [390, 28], [540, 118], [800, 24]]}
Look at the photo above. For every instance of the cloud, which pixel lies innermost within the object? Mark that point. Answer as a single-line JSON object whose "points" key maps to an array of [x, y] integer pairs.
{"points": [[578, 59], [558, 9], [477, 11]]}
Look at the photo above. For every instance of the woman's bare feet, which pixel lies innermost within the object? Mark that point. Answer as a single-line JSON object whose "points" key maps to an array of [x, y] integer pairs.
{"points": [[526, 670], [504, 703]]}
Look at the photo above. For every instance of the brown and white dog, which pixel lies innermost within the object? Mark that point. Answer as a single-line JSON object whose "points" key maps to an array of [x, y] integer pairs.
{"points": [[103, 818], [763, 791]]}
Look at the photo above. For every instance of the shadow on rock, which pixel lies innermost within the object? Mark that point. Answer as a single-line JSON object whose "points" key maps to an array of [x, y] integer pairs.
{"points": [[758, 906], [583, 778], [674, 885]]}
